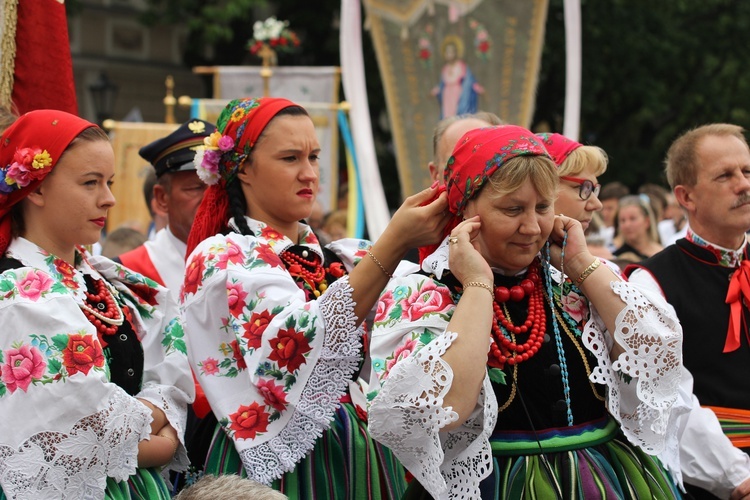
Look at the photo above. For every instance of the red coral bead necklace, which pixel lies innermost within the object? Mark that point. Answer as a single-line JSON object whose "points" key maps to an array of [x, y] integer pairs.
{"points": [[298, 267], [106, 315], [503, 348]]}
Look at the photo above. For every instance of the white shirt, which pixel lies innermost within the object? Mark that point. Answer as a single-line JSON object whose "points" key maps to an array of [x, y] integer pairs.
{"points": [[707, 457], [167, 253]]}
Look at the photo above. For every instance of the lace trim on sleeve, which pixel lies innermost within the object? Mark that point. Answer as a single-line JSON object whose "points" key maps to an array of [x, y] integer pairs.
{"points": [[76, 464], [339, 359], [650, 364], [407, 415], [173, 402]]}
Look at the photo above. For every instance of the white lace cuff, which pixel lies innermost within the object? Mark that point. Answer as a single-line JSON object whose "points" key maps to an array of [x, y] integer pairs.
{"points": [[173, 402], [76, 464], [643, 381], [339, 359], [408, 413]]}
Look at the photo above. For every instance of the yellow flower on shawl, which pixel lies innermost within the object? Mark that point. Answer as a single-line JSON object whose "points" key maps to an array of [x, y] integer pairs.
{"points": [[237, 115]]}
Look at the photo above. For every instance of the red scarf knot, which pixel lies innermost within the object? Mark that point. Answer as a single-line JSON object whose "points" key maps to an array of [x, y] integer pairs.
{"points": [[739, 289]]}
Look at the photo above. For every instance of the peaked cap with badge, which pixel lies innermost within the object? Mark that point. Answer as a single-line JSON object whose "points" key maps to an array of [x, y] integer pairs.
{"points": [[175, 152]]}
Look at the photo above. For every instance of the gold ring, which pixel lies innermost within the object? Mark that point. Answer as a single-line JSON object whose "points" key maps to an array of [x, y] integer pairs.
{"points": [[453, 240]]}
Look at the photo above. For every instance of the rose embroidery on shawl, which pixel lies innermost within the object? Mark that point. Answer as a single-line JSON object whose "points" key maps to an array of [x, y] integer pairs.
{"points": [[236, 296], [67, 272], [22, 366], [271, 234], [273, 395], [310, 238], [248, 421], [209, 366], [289, 349], [237, 355], [431, 299], [146, 294], [385, 306], [403, 351], [575, 306], [255, 327], [81, 354], [34, 285], [232, 253], [193, 274], [267, 255]]}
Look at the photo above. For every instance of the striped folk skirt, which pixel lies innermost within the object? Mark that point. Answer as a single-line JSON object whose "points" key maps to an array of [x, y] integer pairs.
{"points": [[591, 461], [344, 464]]}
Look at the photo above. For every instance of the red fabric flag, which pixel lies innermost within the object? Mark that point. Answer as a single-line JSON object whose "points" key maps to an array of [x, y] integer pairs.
{"points": [[43, 73]]}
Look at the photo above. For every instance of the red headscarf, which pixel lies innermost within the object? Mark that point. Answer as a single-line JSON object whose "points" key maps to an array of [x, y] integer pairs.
{"points": [[558, 146], [29, 150], [242, 121], [477, 155]]}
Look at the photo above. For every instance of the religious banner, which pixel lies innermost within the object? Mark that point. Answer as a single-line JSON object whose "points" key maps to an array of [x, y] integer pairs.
{"points": [[440, 58], [324, 117]]}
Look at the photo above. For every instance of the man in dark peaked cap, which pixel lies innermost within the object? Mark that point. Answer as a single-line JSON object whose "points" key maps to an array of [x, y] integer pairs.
{"points": [[178, 192]]}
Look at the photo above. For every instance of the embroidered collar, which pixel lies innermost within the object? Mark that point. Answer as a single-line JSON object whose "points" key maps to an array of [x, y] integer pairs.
{"points": [[32, 255], [724, 256], [277, 241]]}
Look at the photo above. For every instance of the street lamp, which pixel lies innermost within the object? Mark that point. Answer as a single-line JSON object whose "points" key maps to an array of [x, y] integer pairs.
{"points": [[103, 92]]}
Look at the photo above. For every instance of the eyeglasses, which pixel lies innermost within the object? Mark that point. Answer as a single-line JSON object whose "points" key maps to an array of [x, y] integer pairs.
{"points": [[585, 187]]}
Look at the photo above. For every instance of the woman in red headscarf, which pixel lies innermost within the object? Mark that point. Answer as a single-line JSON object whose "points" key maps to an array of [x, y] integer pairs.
{"points": [[578, 167], [273, 319], [497, 375], [94, 378]]}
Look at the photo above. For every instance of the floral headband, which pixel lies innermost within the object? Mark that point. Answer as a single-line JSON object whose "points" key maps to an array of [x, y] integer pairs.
{"points": [[29, 150], [238, 128]]}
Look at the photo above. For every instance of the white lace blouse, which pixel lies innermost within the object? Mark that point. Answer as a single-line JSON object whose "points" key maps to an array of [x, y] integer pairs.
{"points": [[272, 363], [410, 379], [66, 428]]}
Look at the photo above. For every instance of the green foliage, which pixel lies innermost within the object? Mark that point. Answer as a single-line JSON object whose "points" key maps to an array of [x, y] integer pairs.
{"points": [[208, 20], [651, 70]]}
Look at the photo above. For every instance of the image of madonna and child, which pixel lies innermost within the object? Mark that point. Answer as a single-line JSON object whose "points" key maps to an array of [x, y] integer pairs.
{"points": [[94, 379]]}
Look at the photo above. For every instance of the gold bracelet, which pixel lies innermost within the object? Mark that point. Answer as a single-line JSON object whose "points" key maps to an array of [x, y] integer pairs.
{"points": [[175, 443], [480, 285], [586, 272], [376, 261]]}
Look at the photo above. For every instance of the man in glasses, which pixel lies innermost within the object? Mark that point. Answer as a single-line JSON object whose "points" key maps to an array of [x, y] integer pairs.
{"points": [[706, 277]]}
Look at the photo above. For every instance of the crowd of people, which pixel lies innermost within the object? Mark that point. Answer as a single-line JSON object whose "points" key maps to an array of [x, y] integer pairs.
{"points": [[552, 338]]}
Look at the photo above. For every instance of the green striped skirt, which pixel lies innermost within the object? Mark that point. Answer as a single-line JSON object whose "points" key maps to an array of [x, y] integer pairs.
{"points": [[344, 464], [145, 484], [590, 461]]}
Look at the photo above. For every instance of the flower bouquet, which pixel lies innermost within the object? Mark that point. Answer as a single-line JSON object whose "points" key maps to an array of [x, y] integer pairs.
{"points": [[275, 33]]}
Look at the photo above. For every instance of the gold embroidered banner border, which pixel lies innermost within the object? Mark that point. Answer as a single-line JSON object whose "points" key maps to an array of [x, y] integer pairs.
{"points": [[440, 57]]}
